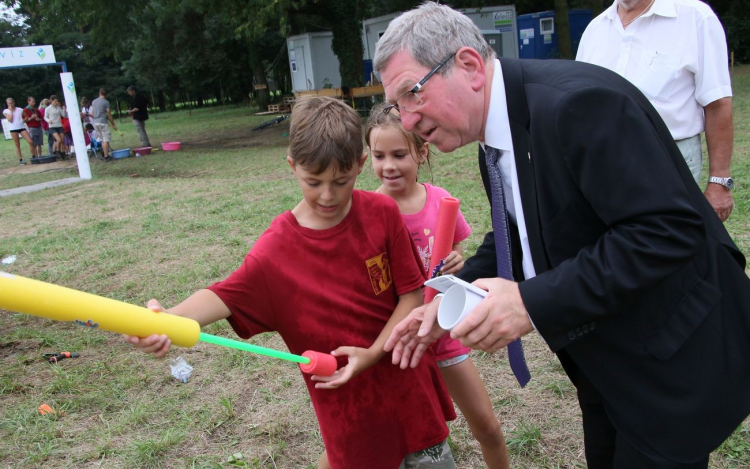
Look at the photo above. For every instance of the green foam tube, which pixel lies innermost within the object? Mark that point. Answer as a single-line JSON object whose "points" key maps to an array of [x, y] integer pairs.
{"points": [[213, 339]]}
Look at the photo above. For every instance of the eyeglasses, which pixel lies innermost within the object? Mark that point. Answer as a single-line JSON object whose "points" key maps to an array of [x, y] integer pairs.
{"points": [[410, 100]]}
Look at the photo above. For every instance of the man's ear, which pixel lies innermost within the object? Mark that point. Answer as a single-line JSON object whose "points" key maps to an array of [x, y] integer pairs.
{"points": [[424, 151], [472, 64], [362, 162]]}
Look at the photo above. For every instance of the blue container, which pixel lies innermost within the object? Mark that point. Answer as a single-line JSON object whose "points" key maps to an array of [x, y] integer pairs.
{"points": [[118, 154]]}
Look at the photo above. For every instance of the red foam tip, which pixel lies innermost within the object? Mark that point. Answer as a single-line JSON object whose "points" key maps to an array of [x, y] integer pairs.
{"points": [[322, 364]]}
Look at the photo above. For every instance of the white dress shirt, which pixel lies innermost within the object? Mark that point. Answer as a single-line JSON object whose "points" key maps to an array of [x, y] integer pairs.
{"points": [[497, 135], [676, 54]]}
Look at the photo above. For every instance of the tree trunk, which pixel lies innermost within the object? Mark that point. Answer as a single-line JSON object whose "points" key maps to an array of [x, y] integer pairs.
{"points": [[596, 6], [260, 79], [345, 19], [562, 23], [162, 101]]}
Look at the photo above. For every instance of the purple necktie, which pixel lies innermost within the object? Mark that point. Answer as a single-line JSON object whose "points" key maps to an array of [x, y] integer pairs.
{"points": [[502, 251]]}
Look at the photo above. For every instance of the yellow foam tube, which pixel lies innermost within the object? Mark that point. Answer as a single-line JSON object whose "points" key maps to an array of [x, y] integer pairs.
{"points": [[28, 296]]}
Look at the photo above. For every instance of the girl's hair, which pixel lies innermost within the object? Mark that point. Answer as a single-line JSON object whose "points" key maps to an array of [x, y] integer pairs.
{"points": [[45, 102], [84, 101], [379, 118], [10, 99]]}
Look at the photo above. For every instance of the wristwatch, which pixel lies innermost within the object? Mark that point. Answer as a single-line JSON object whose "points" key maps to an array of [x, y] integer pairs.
{"points": [[727, 182]]}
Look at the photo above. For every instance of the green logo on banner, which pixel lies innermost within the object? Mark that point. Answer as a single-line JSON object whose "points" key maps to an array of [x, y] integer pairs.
{"points": [[41, 53]]}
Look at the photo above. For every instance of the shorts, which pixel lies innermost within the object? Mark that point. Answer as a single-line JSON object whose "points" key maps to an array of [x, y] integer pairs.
{"points": [[102, 132], [446, 348], [435, 457], [693, 154], [37, 136], [56, 130], [17, 131], [452, 361]]}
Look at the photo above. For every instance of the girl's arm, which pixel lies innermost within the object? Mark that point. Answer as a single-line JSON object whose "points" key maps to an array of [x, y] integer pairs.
{"points": [[454, 261], [360, 358], [8, 115], [203, 306]]}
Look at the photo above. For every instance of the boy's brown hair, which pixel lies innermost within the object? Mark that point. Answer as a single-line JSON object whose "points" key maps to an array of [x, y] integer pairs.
{"points": [[323, 132]]}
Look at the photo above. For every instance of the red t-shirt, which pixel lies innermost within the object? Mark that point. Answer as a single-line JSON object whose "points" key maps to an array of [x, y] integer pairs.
{"points": [[322, 289], [32, 122]]}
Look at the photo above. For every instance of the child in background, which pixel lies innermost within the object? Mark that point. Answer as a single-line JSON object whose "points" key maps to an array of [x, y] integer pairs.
{"points": [[338, 269], [45, 125], [396, 158]]}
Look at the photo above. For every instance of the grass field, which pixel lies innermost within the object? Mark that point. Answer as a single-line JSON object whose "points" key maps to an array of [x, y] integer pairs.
{"points": [[165, 225]]}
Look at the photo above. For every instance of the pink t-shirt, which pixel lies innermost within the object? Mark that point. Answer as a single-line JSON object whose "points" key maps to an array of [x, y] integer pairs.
{"points": [[422, 226]]}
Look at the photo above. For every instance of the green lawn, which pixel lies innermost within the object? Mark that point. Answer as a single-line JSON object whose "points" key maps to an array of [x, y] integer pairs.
{"points": [[165, 225]]}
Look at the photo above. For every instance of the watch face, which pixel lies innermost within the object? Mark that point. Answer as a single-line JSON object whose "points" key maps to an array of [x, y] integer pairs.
{"points": [[730, 183]]}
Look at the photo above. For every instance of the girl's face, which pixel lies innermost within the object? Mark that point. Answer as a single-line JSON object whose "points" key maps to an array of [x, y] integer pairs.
{"points": [[10, 103], [393, 159]]}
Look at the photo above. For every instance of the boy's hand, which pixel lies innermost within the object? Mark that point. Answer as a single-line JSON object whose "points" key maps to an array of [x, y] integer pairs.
{"points": [[412, 336], [156, 345], [452, 263], [359, 360]]}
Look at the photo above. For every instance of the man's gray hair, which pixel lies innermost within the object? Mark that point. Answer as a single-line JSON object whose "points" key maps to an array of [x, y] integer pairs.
{"points": [[430, 33]]}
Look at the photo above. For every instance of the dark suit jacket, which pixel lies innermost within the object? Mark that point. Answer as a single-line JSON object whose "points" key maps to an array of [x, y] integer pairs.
{"points": [[637, 279]]}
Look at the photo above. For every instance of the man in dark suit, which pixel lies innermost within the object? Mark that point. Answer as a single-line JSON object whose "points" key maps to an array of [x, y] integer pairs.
{"points": [[620, 263]]}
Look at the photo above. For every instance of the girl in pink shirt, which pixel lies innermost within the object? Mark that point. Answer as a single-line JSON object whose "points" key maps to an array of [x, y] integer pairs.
{"points": [[396, 158]]}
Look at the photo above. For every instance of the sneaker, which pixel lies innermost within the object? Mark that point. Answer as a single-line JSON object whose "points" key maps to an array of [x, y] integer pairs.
{"points": [[22, 162], [107, 159]]}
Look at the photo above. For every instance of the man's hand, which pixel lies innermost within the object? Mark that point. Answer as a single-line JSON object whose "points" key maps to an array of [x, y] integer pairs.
{"points": [[720, 199], [411, 337], [359, 360], [498, 320]]}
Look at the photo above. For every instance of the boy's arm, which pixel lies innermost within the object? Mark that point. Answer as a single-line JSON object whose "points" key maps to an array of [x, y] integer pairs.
{"points": [[360, 358], [204, 306]]}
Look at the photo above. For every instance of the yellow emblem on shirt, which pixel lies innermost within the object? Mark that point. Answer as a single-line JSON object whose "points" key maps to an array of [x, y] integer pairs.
{"points": [[380, 273]]}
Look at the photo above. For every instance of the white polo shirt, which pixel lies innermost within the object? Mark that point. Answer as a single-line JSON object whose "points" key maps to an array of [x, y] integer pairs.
{"points": [[676, 54]]}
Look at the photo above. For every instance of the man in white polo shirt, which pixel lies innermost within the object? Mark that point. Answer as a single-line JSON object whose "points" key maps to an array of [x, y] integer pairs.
{"points": [[675, 52]]}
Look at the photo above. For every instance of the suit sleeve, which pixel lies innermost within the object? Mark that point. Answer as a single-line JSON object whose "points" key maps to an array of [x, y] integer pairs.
{"points": [[627, 173]]}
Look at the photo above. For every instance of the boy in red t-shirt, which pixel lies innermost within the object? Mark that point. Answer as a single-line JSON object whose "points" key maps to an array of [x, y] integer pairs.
{"points": [[337, 272]]}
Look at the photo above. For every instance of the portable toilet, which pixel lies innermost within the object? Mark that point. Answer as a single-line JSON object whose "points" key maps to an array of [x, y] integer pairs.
{"points": [[498, 25], [537, 38], [312, 63]]}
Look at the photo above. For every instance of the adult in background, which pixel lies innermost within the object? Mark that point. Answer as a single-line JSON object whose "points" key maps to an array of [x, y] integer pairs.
{"points": [[33, 120], [675, 52], [15, 119], [101, 116], [139, 112], [45, 125], [620, 262]]}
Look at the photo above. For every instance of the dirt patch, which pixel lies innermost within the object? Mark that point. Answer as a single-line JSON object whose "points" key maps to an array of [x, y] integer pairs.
{"points": [[40, 168], [273, 135]]}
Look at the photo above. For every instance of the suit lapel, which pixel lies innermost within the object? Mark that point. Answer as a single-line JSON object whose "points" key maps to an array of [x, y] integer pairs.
{"points": [[518, 114]]}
